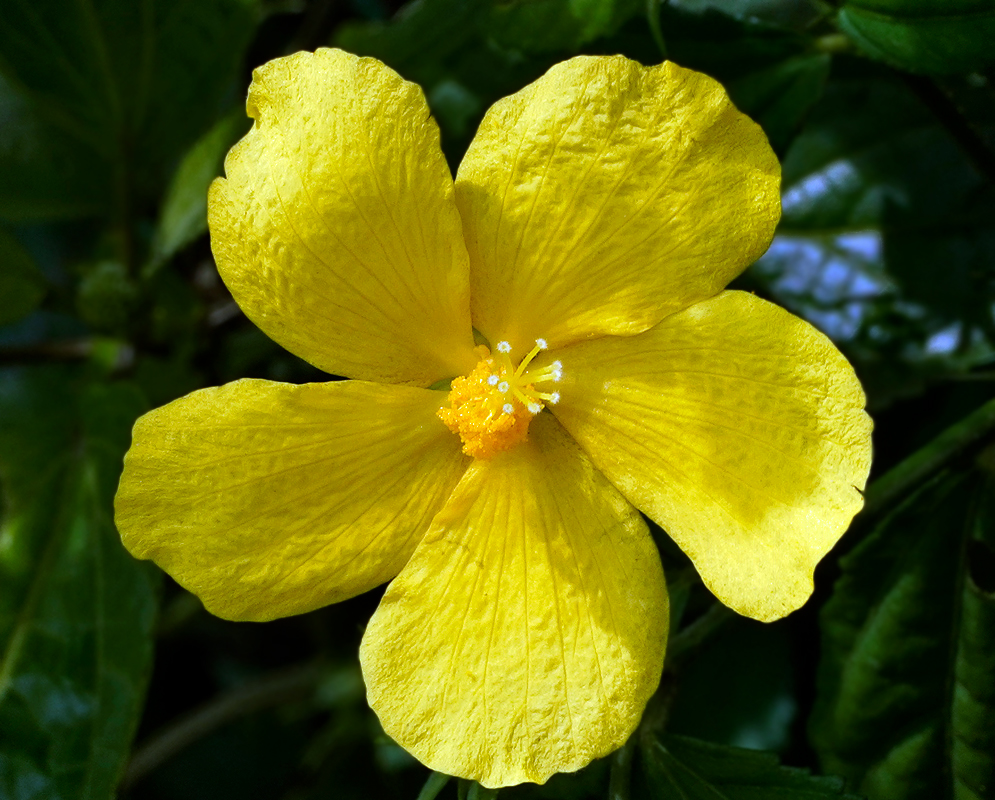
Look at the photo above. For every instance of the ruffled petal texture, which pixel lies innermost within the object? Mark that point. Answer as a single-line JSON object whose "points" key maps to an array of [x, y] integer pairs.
{"points": [[336, 227], [738, 428], [607, 195], [528, 631], [267, 499]]}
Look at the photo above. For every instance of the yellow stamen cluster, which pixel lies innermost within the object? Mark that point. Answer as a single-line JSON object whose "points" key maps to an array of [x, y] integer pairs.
{"points": [[491, 407]]}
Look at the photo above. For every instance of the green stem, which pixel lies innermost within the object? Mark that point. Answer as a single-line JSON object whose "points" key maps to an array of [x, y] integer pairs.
{"points": [[436, 783], [653, 17], [832, 43], [657, 711], [621, 770], [957, 440], [478, 792], [689, 640]]}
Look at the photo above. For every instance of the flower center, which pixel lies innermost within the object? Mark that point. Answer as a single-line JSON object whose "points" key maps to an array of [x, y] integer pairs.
{"points": [[491, 407]]}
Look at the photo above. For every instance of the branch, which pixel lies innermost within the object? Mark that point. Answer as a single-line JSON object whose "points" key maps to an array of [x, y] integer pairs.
{"points": [[119, 356], [275, 689], [692, 637]]}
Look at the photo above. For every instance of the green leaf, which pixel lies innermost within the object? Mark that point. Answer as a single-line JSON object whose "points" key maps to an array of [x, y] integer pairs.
{"points": [[22, 285], [679, 768], [723, 46], [76, 611], [539, 26], [183, 216], [887, 239], [905, 692], [937, 36], [419, 38], [779, 97], [792, 14], [445, 46], [45, 172], [752, 706], [129, 84]]}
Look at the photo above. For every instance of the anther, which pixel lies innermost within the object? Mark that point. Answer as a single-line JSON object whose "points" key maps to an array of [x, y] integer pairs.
{"points": [[541, 344], [492, 380], [503, 387], [503, 347], [534, 408], [508, 408]]}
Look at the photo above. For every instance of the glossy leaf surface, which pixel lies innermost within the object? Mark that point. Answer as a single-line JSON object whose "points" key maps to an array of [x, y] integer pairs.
{"points": [[940, 36], [77, 612], [679, 768], [906, 695]]}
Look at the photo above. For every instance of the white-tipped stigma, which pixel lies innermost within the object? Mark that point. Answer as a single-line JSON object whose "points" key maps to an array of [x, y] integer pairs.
{"points": [[554, 398], [492, 380], [554, 372], [508, 408], [503, 387], [541, 344], [534, 408], [503, 347]]}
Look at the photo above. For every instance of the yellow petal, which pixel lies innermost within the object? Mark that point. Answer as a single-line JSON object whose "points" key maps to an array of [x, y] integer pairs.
{"points": [[527, 632], [266, 499], [336, 229], [737, 427], [605, 196]]}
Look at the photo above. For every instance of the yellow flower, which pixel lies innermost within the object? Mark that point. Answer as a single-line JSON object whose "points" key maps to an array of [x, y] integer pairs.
{"points": [[593, 224]]}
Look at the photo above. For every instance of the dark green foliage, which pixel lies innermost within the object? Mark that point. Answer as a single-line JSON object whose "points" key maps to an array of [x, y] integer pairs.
{"points": [[781, 96], [879, 253], [22, 284], [907, 684], [115, 116], [939, 36], [183, 215], [48, 172], [104, 95], [678, 768], [76, 611], [423, 35], [557, 25]]}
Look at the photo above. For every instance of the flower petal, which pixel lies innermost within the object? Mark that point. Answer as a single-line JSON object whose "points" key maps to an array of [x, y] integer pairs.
{"points": [[528, 631], [737, 427], [605, 196], [336, 229], [266, 499]]}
